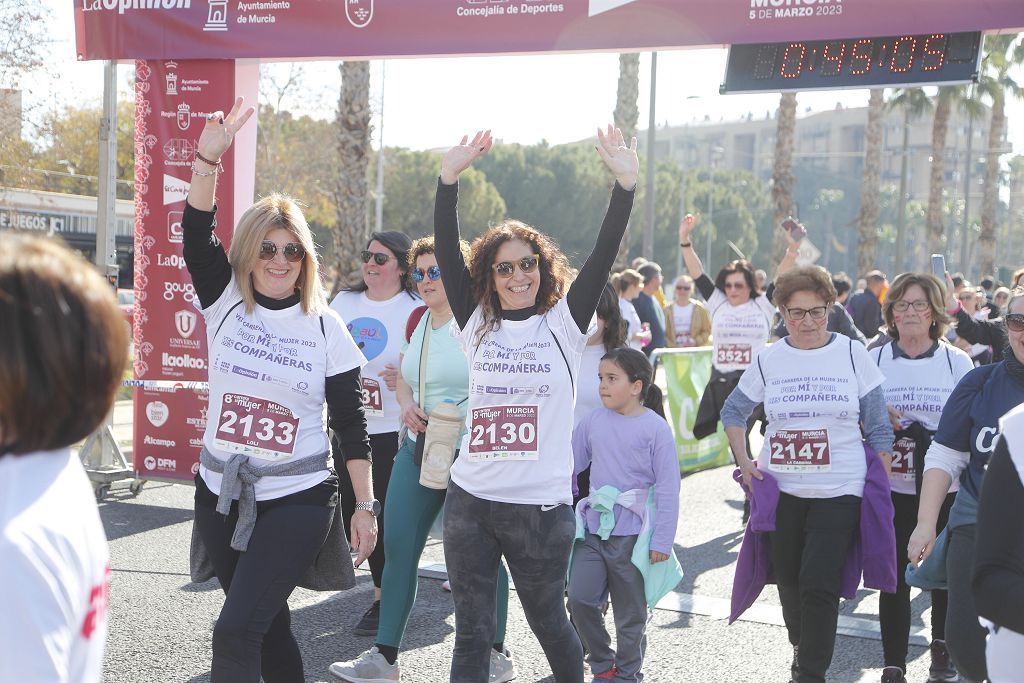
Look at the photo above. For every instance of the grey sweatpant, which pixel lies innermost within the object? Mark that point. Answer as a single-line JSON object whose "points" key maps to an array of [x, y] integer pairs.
{"points": [[535, 543], [601, 568]]}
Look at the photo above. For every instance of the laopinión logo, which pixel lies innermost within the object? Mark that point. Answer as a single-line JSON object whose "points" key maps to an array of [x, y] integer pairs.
{"points": [[123, 6]]}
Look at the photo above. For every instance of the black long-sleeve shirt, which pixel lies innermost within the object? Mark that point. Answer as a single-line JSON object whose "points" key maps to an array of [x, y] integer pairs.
{"points": [[991, 332], [999, 545], [208, 265], [584, 292]]}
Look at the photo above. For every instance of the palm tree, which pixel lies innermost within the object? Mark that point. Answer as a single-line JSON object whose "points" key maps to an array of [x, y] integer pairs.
{"points": [[914, 104], [947, 97], [782, 170], [870, 190], [1012, 241], [1005, 52], [352, 190], [626, 116]]}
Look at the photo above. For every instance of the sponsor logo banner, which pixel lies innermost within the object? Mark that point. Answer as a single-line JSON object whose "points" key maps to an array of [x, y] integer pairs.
{"points": [[170, 343], [218, 29]]}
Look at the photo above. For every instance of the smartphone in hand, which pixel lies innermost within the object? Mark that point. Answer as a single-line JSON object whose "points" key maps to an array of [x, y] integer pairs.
{"points": [[795, 230], [939, 267]]}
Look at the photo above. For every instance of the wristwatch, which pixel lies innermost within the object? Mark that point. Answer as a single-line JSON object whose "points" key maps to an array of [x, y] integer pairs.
{"points": [[371, 506]]}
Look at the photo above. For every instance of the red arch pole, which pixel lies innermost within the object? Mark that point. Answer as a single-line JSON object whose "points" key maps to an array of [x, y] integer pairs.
{"points": [[172, 99]]}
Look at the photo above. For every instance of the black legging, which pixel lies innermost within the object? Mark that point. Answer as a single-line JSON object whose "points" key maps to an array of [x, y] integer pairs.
{"points": [[894, 608], [253, 635], [384, 447]]}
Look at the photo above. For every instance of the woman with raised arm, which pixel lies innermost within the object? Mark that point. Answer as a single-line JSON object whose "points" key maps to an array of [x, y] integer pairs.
{"points": [[741, 322], [266, 492], [511, 487]]}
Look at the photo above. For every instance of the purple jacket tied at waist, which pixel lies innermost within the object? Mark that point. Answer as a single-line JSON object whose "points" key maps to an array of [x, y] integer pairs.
{"points": [[872, 553]]}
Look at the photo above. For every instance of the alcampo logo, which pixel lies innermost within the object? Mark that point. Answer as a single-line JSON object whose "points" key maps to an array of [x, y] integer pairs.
{"points": [[152, 441], [123, 6], [183, 361]]}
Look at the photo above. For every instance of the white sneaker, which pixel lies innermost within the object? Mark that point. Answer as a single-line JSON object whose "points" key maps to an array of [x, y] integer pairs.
{"points": [[369, 667], [502, 667]]}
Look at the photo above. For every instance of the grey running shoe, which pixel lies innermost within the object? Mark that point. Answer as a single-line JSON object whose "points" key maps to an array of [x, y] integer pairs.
{"points": [[367, 626], [893, 674], [942, 668], [503, 669], [369, 667]]}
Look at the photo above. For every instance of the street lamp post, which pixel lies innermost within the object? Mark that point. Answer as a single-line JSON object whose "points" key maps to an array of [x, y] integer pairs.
{"points": [[648, 241]]}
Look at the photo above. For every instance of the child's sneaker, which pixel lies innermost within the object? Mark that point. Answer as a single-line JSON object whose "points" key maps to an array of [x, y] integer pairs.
{"points": [[606, 675]]}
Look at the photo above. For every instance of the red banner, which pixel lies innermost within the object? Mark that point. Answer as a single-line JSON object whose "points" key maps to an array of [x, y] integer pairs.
{"points": [[281, 29], [171, 101]]}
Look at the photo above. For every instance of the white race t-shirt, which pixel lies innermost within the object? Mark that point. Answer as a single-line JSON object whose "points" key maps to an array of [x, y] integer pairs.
{"points": [[267, 383], [633, 323], [919, 389], [378, 328], [54, 569], [587, 393], [738, 333], [518, 445], [682, 319], [812, 400]]}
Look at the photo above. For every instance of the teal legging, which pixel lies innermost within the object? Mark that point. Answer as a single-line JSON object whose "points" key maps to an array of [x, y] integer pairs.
{"points": [[408, 515]]}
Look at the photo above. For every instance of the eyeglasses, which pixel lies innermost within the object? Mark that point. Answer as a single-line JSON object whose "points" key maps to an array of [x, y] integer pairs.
{"points": [[379, 257], [1015, 322], [293, 251], [685, 288], [904, 306], [433, 273], [816, 313], [527, 264], [967, 296], [735, 285]]}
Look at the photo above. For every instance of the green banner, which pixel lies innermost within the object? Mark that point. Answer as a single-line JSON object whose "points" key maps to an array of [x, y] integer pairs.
{"points": [[686, 374]]}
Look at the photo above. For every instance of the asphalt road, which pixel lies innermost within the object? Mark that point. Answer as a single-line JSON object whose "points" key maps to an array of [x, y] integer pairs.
{"points": [[160, 623]]}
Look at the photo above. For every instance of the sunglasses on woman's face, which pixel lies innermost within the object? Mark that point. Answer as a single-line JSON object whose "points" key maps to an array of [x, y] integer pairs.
{"points": [[379, 257], [432, 273], [527, 264], [293, 251], [1015, 322]]}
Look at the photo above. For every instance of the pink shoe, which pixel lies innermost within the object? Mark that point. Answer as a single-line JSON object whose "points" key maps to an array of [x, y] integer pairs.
{"points": [[447, 586], [606, 676]]}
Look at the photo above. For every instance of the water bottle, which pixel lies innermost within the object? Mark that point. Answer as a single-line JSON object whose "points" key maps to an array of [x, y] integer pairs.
{"points": [[441, 439]]}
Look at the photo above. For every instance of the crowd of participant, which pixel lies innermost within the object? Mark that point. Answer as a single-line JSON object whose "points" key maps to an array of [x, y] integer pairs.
{"points": [[490, 395]]}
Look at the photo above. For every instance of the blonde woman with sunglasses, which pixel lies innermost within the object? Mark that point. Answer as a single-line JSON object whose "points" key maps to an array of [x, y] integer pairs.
{"points": [[376, 309], [523, 330], [266, 491]]}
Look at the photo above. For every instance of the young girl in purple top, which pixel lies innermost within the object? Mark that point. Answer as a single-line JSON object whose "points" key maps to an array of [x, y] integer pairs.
{"points": [[632, 454]]}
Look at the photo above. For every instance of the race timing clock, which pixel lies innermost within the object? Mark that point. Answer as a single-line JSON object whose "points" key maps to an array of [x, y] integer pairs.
{"points": [[933, 58]]}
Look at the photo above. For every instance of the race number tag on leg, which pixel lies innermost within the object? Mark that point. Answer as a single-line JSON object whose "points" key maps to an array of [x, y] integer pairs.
{"points": [[903, 459], [373, 400], [256, 427], [800, 450], [503, 433], [733, 354]]}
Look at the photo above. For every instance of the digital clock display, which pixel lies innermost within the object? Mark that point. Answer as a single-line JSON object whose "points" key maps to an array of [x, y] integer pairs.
{"points": [[934, 58]]}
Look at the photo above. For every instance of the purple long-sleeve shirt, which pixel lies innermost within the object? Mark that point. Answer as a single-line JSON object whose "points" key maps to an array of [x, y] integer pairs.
{"points": [[631, 453]]}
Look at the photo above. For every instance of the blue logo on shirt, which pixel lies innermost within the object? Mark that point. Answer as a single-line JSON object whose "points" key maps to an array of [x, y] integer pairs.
{"points": [[370, 336]]}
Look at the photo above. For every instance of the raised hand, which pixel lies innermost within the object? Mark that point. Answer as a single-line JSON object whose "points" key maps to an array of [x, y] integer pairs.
{"points": [[686, 227], [621, 160], [219, 131], [461, 156]]}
